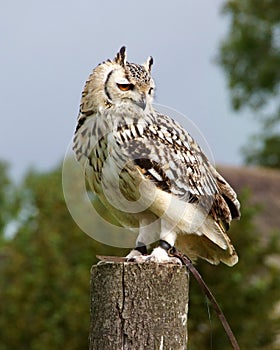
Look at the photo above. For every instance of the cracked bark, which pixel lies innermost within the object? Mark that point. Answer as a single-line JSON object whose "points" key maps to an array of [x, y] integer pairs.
{"points": [[138, 306]]}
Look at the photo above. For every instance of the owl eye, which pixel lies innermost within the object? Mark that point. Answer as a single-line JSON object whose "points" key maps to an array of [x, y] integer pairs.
{"points": [[125, 87]]}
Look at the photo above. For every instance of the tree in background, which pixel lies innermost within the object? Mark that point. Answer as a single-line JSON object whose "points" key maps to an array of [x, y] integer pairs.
{"points": [[250, 57], [45, 270], [8, 206]]}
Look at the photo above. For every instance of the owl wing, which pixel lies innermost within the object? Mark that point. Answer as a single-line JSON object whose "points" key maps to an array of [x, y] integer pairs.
{"points": [[163, 153]]}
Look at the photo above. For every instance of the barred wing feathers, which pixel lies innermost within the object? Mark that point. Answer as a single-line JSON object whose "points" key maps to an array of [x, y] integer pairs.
{"points": [[189, 190]]}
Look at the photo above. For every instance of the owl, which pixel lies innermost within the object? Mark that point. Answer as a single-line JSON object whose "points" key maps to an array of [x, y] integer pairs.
{"points": [[148, 171]]}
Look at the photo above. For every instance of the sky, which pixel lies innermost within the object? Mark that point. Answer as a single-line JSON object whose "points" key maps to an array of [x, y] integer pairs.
{"points": [[48, 49]]}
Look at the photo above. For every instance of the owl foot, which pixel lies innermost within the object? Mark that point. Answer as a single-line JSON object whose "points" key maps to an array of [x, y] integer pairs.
{"points": [[136, 256], [158, 255]]}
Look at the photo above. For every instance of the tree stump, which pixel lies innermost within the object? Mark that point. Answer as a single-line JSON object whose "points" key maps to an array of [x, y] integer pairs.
{"points": [[138, 306]]}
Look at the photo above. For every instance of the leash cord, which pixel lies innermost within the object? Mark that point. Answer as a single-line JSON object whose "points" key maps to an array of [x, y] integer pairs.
{"points": [[172, 251]]}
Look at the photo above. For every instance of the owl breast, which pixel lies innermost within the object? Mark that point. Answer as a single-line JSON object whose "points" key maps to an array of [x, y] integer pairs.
{"points": [[101, 143]]}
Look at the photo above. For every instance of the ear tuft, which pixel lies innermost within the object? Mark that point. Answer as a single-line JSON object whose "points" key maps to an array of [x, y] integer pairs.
{"points": [[121, 56], [148, 64]]}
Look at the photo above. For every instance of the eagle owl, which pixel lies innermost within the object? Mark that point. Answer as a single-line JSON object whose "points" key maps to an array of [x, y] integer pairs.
{"points": [[148, 171]]}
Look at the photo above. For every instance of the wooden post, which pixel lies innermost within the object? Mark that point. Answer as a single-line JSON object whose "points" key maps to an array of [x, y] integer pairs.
{"points": [[138, 306]]}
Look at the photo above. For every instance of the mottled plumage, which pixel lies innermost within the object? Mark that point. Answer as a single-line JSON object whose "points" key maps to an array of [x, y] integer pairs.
{"points": [[147, 170]]}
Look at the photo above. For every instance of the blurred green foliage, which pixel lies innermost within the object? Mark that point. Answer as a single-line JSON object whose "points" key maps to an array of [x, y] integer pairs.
{"points": [[263, 150], [250, 58], [247, 292], [45, 271]]}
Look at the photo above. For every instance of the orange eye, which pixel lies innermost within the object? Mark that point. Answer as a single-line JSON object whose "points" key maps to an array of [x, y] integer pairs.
{"points": [[125, 87]]}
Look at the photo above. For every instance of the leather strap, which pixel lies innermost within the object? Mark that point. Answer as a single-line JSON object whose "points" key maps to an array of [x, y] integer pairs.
{"points": [[172, 251]]}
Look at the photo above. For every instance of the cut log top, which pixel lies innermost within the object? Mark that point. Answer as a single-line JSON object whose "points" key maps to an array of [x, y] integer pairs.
{"points": [[138, 306]]}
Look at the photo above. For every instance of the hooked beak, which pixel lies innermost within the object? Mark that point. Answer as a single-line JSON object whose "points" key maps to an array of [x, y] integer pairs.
{"points": [[142, 102]]}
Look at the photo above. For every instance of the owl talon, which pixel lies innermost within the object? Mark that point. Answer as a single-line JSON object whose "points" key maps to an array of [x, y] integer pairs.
{"points": [[159, 255], [136, 256]]}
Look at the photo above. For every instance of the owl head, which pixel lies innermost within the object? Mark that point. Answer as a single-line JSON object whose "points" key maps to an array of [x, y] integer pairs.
{"points": [[117, 82]]}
